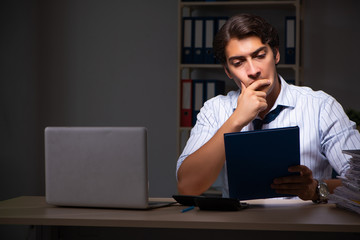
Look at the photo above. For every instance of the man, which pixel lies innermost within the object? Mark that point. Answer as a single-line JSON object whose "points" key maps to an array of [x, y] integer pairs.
{"points": [[248, 48]]}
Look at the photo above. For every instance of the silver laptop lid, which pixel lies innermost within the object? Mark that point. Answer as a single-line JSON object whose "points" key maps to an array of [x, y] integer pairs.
{"points": [[96, 166]]}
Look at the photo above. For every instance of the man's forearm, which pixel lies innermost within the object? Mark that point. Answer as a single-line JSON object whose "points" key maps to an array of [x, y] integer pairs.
{"points": [[200, 169]]}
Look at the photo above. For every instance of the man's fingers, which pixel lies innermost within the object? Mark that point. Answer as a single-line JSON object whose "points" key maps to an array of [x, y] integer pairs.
{"points": [[256, 85], [259, 84], [303, 170], [292, 186], [260, 94], [243, 87], [292, 179]]}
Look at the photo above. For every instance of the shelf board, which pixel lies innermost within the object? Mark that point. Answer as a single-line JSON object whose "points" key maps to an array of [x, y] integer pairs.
{"points": [[284, 66], [236, 3], [201, 66], [287, 66]]}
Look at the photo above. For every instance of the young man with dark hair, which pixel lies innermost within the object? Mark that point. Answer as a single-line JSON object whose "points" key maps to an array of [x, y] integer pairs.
{"points": [[248, 48]]}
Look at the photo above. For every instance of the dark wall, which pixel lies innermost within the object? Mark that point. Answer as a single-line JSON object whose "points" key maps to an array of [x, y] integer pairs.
{"points": [[86, 63], [331, 56]]}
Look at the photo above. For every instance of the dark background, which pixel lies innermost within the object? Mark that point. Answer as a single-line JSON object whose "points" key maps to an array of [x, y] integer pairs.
{"points": [[114, 63]]}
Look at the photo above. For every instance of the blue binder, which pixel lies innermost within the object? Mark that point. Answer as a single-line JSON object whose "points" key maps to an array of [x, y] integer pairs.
{"points": [[213, 88], [220, 21], [198, 98], [198, 39], [290, 37], [187, 48], [203, 90], [255, 158], [209, 33]]}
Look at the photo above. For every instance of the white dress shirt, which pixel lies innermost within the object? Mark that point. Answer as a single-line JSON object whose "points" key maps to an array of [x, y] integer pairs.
{"points": [[325, 129]]}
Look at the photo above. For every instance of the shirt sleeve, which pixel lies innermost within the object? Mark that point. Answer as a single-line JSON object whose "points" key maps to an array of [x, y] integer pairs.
{"points": [[210, 118], [337, 133]]}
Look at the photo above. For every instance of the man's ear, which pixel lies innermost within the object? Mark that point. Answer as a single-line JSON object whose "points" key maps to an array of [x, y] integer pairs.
{"points": [[277, 56], [226, 69]]}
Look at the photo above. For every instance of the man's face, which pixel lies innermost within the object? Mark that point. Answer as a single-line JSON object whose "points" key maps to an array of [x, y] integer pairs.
{"points": [[249, 60]]}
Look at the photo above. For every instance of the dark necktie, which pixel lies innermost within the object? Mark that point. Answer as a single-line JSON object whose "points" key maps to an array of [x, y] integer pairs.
{"points": [[258, 123]]}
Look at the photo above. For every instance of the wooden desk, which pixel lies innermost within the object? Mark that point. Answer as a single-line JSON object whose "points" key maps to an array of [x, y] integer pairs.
{"points": [[262, 215]]}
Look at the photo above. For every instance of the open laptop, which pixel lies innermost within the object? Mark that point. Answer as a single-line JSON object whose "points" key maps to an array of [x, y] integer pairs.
{"points": [[97, 167]]}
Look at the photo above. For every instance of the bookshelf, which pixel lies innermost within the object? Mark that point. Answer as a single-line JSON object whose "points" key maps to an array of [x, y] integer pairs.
{"points": [[273, 11]]}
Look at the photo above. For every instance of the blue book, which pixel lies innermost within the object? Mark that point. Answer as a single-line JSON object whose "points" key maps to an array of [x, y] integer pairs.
{"points": [[255, 158], [290, 31]]}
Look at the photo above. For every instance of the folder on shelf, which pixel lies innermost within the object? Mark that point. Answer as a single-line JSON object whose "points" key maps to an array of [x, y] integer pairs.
{"points": [[197, 98], [220, 21], [290, 40], [213, 88], [186, 95], [198, 36], [203, 90], [187, 51], [209, 29]]}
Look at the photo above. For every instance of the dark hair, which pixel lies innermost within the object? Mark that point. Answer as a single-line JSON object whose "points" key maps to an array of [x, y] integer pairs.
{"points": [[242, 26]]}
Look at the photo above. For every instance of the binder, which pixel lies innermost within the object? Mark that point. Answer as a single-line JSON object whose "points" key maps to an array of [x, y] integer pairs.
{"points": [[197, 38], [198, 33], [290, 40], [220, 21], [213, 88], [187, 51], [186, 112], [197, 98], [209, 29], [203, 90]]}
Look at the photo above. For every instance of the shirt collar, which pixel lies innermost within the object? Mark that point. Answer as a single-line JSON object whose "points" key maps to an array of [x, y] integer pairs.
{"points": [[284, 97]]}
